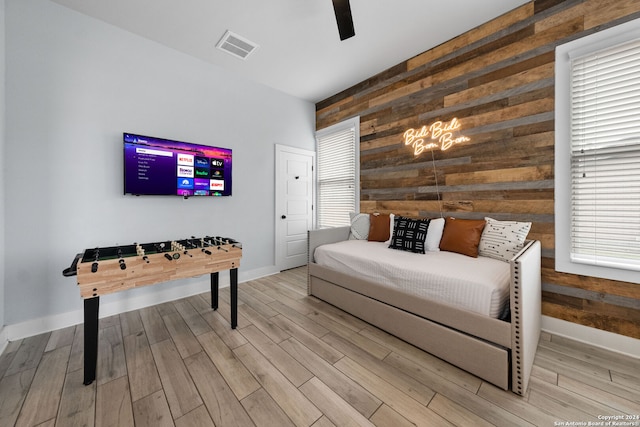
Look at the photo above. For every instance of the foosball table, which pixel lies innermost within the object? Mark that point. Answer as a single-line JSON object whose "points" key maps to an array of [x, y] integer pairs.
{"points": [[102, 271]]}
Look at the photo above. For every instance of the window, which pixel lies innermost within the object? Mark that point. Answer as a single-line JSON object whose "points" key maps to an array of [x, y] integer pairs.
{"points": [[598, 154], [338, 173]]}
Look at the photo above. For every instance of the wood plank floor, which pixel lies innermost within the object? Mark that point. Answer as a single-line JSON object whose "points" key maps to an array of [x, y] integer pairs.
{"points": [[293, 361]]}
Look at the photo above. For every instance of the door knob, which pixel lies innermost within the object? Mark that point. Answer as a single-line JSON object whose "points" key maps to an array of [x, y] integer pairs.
{"points": [[283, 217]]}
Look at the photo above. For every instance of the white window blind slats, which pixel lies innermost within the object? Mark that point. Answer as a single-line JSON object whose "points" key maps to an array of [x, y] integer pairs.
{"points": [[336, 177], [614, 114], [607, 119], [605, 158], [612, 77], [614, 87], [610, 54]]}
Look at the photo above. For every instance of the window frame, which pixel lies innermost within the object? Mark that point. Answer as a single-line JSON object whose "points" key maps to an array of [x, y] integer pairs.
{"points": [[589, 44], [352, 123]]}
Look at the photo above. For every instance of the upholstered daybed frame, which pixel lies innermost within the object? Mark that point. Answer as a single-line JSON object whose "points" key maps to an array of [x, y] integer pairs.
{"points": [[498, 351]]}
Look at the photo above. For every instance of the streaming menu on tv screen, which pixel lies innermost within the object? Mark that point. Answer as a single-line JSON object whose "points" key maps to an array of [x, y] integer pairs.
{"points": [[164, 167]]}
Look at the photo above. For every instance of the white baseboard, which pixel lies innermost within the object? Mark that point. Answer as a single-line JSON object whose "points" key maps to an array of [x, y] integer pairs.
{"points": [[4, 339], [595, 337], [58, 321]]}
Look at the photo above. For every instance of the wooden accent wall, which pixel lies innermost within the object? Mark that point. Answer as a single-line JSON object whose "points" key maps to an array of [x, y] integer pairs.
{"points": [[498, 80]]}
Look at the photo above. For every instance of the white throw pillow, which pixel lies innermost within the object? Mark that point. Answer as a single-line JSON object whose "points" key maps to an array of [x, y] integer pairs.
{"points": [[359, 226], [391, 221], [503, 239], [434, 234]]}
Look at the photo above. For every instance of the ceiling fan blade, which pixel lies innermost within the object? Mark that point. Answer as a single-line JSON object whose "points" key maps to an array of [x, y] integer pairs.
{"points": [[342, 8]]}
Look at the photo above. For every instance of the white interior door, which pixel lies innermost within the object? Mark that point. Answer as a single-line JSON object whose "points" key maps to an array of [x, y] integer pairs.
{"points": [[294, 205]]}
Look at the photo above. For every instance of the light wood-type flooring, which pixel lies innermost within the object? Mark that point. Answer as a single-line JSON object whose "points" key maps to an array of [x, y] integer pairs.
{"points": [[292, 361]]}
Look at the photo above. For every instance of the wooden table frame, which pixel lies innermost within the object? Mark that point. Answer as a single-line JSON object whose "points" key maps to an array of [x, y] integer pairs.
{"points": [[97, 277], [92, 305]]}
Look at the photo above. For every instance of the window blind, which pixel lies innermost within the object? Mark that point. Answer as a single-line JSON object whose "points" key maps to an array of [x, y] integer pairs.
{"points": [[605, 157], [336, 173]]}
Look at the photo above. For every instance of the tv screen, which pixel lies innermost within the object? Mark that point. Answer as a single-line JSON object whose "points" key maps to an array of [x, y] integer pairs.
{"points": [[156, 166]]}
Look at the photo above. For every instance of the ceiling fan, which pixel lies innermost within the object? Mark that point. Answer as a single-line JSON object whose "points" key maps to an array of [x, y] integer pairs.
{"points": [[342, 8]]}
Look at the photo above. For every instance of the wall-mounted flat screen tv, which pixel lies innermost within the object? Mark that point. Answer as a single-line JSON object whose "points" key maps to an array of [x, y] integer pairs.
{"points": [[156, 166]]}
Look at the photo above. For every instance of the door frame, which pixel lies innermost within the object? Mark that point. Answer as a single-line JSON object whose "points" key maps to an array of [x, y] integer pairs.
{"points": [[279, 150]]}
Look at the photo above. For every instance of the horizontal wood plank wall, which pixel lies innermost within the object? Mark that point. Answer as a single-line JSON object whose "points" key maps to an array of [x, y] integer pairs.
{"points": [[498, 80]]}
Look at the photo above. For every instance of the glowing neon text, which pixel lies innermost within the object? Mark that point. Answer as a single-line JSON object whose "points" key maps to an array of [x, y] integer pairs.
{"points": [[438, 134]]}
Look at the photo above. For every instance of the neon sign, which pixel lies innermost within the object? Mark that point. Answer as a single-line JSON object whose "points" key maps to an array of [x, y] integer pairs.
{"points": [[438, 134]]}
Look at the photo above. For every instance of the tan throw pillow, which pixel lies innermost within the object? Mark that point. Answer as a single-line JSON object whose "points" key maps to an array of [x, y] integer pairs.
{"points": [[462, 236], [379, 227]]}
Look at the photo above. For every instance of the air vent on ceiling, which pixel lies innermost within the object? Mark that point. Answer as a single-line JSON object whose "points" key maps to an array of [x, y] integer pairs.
{"points": [[236, 45]]}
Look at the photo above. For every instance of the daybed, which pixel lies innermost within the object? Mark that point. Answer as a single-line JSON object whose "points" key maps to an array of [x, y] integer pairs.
{"points": [[497, 348]]}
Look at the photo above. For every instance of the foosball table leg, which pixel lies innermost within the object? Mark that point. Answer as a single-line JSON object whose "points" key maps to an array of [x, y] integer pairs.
{"points": [[91, 307], [234, 297], [214, 290]]}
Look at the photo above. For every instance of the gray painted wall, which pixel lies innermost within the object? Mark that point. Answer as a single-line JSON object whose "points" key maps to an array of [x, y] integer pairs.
{"points": [[73, 85], [2, 167]]}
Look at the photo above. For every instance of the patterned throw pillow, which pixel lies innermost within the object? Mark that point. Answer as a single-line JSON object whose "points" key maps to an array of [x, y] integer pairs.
{"points": [[359, 226], [503, 239], [409, 234]]}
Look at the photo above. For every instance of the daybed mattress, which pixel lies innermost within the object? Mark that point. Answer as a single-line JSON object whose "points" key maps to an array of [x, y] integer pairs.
{"points": [[478, 284]]}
